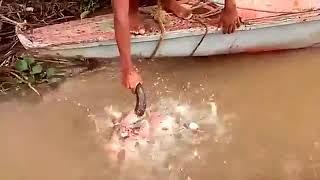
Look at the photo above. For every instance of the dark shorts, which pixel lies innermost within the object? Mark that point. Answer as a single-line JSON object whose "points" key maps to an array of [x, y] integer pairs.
{"points": [[147, 2]]}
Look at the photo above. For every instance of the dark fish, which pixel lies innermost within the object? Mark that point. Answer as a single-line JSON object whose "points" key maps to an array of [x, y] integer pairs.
{"points": [[141, 102]]}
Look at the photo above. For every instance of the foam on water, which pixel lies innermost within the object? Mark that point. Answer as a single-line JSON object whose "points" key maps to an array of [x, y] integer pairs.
{"points": [[171, 138]]}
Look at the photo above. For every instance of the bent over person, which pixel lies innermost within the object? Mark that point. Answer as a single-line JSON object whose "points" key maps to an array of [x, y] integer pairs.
{"points": [[127, 19]]}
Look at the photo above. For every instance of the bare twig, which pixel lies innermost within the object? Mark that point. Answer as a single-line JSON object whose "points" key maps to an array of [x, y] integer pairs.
{"points": [[62, 18], [261, 10], [6, 33], [14, 43], [5, 58], [55, 61], [3, 63], [10, 21], [10, 47], [199, 5], [4, 90], [26, 82], [9, 53], [212, 13]]}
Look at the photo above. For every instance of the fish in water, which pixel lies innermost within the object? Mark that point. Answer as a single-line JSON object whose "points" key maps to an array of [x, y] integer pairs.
{"points": [[131, 134], [141, 103], [152, 137]]}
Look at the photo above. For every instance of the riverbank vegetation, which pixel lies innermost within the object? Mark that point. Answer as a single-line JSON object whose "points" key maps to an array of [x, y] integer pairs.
{"points": [[18, 68]]}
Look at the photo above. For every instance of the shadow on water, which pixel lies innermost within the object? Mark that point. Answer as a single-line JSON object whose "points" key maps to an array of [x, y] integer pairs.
{"points": [[266, 128]]}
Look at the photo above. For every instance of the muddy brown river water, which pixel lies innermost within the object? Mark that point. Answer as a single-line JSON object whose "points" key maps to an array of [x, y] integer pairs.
{"points": [[263, 122]]}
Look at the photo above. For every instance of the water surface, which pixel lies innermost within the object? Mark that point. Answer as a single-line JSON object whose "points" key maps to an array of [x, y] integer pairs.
{"points": [[267, 126]]}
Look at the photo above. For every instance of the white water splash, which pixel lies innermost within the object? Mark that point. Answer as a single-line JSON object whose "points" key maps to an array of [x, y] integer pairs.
{"points": [[175, 139]]}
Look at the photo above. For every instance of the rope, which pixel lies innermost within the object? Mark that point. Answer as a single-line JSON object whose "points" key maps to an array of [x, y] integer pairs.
{"points": [[201, 40], [266, 11], [161, 29]]}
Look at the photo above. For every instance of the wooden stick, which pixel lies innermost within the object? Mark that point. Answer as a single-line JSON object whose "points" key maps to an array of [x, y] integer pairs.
{"points": [[26, 82]]}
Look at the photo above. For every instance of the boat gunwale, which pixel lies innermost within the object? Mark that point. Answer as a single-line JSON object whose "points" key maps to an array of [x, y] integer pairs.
{"points": [[250, 24]]}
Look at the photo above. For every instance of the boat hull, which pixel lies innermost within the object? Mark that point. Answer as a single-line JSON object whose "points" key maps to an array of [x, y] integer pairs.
{"points": [[264, 32], [182, 44]]}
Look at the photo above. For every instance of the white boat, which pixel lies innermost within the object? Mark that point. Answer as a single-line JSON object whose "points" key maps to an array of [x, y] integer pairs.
{"points": [[265, 28]]}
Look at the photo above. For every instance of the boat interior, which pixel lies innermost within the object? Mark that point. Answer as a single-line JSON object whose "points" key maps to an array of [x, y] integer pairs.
{"points": [[205, 16]]}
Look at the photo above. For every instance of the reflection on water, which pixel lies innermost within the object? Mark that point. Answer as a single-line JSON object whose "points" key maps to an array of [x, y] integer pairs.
{"points": [[267, 123]]}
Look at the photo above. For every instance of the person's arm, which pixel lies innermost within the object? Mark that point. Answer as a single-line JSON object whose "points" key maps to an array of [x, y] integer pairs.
{"points": [[229, 17], [122, 33], [230, 4], [130, 78]]}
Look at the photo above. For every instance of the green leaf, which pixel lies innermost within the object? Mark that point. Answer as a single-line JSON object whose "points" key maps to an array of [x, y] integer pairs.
{"points": [[50, 72], [37, 69], [29, 60], [21, 65]]}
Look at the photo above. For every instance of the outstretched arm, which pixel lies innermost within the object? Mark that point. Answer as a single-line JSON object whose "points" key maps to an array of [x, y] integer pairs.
{"points": [[230, 3], [130, 77], [229, 17]]}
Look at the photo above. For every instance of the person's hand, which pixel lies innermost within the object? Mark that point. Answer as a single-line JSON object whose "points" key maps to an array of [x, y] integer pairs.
{"points": [[229, 20], [130, 79]]}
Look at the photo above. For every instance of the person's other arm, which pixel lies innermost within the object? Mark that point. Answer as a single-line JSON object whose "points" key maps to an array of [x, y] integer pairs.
{"points": [[229, 17]]}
